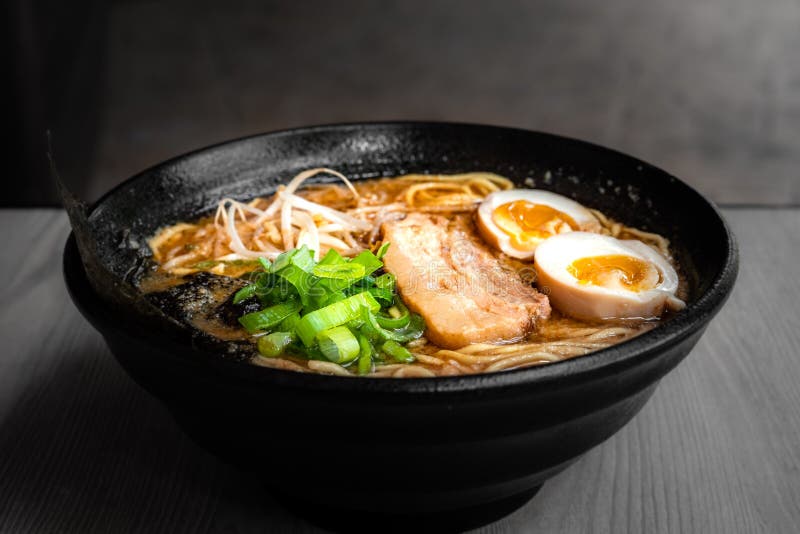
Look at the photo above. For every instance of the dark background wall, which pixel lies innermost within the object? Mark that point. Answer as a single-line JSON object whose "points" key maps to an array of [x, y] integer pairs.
{"points": [[708, 89]]}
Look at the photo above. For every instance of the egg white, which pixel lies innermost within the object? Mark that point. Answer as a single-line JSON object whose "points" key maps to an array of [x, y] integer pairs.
{"points": [[502, 241], [596, 302]]}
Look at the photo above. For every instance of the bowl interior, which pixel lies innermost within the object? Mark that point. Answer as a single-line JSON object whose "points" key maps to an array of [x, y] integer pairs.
{"points": [[623, 187]]}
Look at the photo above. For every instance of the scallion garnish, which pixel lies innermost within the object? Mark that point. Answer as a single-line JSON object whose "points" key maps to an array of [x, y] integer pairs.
{"points": [[396, 316], [386, 281], [365, 355], [245, 293], [381, 252], [397, 351], [335, 314], [338, 309], [273, 345], [338, 345], [269, 317], [341, 271]]}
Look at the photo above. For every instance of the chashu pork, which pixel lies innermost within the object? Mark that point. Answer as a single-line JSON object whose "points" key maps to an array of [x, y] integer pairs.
{"points": [[465, 292]]}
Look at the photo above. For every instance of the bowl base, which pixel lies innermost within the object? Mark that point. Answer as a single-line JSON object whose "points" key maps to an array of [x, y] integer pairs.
{"points": [[338, 519]]}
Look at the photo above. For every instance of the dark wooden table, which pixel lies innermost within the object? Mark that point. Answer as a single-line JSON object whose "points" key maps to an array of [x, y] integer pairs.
{"points": [[83, 449]]}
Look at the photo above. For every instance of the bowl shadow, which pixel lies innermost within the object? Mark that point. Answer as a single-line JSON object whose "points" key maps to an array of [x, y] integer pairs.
{"points": [[90, 451]]}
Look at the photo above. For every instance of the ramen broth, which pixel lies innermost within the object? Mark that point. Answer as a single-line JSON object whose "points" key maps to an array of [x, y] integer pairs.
{"points": [[182, 251]]}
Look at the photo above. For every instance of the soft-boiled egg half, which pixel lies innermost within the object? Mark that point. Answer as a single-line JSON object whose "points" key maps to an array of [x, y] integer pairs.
{"points": [[598, 277], [516, 221]]}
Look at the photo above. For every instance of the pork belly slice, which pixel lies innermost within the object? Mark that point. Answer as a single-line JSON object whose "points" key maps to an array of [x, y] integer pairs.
{"points": [[465, 293]]}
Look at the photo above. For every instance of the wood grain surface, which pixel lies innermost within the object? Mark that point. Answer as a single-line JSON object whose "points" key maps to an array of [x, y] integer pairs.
{"points": [[83, 449]]}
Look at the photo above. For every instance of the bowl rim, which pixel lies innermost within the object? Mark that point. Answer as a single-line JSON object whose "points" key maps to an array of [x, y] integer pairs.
{"points": [[611, 359]]}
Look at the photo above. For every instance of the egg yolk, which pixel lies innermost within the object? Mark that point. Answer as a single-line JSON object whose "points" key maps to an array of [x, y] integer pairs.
{"points": [[528, 223], [615, 271]]}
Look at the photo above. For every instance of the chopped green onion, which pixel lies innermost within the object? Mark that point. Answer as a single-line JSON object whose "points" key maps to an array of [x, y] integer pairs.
{"points": [[384, 296], [290, 323], [273, 289], [332, 258], [393, 322], [353, 285], [301, 258], [399, 309], [304, 259], [245, 293], [265, 281], [337, 309], [302, 281], [338, 344], [355, 324], [386, 281], [375, 331], [370, 262], [333, 315], [397, 351], [365, 355], [382, 250], [341, 271], [414, 330], [269, 317], [274, 344], [282, 260], [332, 297], [265, 264], [370, 327]]}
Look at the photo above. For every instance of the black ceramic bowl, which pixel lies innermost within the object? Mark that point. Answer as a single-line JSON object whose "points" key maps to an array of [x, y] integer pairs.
{"points": [[449, 451]]}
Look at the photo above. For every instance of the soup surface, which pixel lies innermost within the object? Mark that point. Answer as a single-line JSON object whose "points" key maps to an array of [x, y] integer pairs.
{"points": [[411, 276]]}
